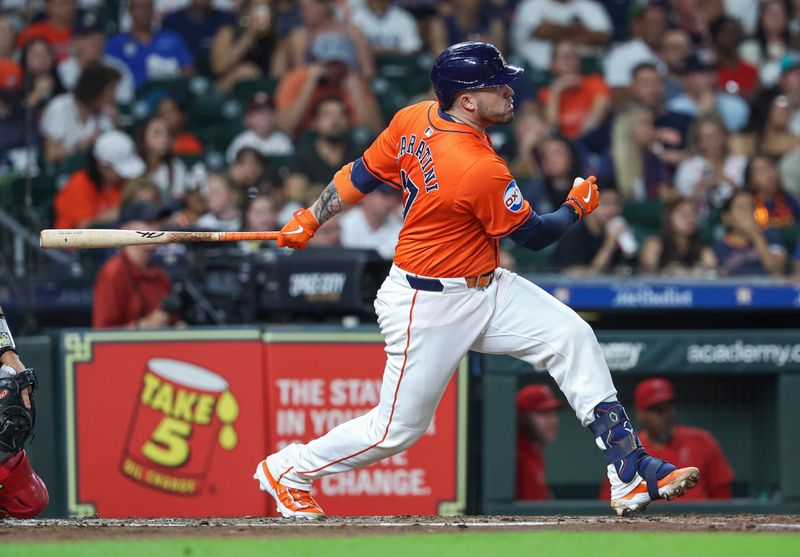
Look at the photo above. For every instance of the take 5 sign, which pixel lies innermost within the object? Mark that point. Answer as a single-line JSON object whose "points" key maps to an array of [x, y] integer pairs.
{"points": [[174, 423], [164, 423]]}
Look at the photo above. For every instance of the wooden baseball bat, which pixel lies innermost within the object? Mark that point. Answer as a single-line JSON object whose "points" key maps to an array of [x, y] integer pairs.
{"points": [[82, 238]]}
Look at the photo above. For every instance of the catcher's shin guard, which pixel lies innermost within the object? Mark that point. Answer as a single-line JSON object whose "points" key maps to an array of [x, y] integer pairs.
{"points": [[22, 492]]}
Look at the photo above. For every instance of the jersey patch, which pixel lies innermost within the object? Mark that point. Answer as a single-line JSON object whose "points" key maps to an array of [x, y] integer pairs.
{"points": [[512, 197]]}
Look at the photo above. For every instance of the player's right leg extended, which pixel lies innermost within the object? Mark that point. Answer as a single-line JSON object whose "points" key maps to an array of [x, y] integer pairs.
{"points": [[533, 326], [427, 333]]}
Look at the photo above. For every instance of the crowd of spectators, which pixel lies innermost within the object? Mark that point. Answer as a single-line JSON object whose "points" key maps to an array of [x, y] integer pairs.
{"points": [[688, 111]]}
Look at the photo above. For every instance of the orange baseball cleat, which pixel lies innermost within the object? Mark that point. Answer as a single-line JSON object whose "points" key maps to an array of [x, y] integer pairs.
{"points": [[670, 486], [290, 502]]}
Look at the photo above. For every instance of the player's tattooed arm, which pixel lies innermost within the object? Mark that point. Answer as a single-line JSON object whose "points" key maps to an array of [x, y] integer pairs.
{"points": [[328, 205]]}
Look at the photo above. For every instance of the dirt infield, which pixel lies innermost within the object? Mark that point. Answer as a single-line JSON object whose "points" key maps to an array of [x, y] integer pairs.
{"points": [[107, 529]]}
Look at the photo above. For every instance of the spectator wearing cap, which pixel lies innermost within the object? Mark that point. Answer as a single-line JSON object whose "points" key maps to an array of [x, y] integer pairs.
{"points": [[467, 20], [663, 437], [318, 18], [261, 133], [72, 122], [20, 142], [374, 223], [735, 75], [332, 73], [41, 79], [55, 28], [130, 288], [389, 28], [648, 25], [173, 110], [91, 197], [574, 103], [88, 48], [537, 426], [197, 24], [771, 42], [539, 23], [701, 98], [150, 53], [248, 48]]}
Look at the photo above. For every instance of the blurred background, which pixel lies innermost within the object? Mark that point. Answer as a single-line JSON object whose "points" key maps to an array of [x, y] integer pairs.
{"points": [[231, 114]]}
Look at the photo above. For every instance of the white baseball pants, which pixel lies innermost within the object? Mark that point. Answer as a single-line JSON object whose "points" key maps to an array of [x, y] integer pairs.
{"points": [[427, 334]]}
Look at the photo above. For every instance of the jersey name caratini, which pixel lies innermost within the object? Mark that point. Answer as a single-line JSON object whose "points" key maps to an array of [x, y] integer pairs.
{"points": [[459, 197]]}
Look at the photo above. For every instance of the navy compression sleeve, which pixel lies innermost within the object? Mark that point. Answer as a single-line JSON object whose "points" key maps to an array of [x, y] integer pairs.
{"points": [[542, 230]]}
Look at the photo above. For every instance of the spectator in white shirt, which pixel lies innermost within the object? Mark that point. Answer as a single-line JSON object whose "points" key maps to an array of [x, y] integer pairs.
{"points": [[154, 143], [375, 223], [73, 121], [88, 47], [388, 28], [648, 26], [261, 133], [539, 23]]}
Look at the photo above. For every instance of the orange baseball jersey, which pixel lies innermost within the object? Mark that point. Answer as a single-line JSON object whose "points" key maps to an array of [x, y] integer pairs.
{"points": [[459, 197]]}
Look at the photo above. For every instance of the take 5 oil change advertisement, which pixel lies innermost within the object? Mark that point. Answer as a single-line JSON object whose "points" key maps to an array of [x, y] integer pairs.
{"points": [[173, 423]]}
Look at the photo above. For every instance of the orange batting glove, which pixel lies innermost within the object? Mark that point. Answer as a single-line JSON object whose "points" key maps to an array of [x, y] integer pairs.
{"points": [[584, 196], [299, 230]]}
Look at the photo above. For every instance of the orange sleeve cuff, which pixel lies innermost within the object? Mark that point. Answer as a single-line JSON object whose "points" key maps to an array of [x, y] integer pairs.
{"points": [[344, 186]]}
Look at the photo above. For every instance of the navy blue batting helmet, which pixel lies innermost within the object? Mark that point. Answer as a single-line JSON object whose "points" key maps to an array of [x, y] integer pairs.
{"points": [[469, 65]]}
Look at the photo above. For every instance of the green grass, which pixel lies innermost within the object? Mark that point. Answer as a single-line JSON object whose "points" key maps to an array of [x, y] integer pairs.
{"points": [[460, 544]]}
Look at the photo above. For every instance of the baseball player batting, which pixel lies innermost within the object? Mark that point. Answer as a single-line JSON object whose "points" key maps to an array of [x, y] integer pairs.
{"points": [[22, 493], [445, 294]]}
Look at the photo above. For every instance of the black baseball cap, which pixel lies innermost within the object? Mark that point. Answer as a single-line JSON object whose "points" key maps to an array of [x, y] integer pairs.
{"points": [[697, 64], [86, 25]]}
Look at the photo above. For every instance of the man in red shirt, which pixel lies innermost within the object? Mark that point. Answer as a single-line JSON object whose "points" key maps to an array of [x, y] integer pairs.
{"points": [[129, 288], [664, 438], [537, 426]]}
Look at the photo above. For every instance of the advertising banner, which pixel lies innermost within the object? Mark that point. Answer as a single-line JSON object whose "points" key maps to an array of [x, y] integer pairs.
{"points": [[164, 424], [686, 351], [319, 381], [173, 423]]}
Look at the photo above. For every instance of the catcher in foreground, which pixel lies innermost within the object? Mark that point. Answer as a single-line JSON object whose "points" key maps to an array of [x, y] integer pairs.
{"points": [[22, 493]]}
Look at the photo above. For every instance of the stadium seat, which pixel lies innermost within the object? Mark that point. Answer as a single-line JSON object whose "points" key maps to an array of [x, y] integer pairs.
{"points": [[211, 110], [221, 135], [644, 216], [43, 190]]}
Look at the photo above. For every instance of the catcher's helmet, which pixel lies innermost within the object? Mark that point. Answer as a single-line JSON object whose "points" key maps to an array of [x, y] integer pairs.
{"points": [[469, 65]]}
